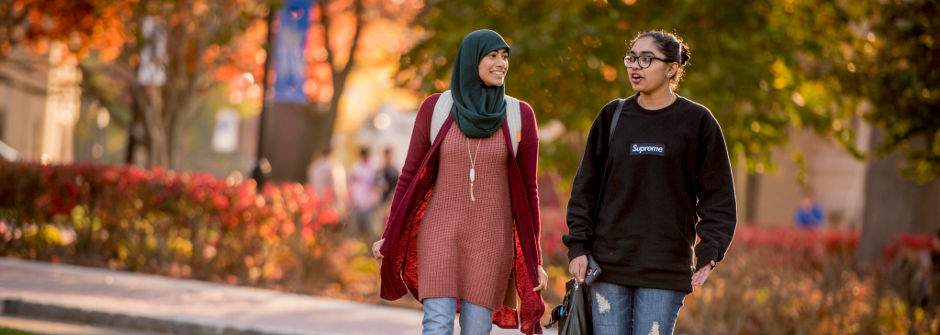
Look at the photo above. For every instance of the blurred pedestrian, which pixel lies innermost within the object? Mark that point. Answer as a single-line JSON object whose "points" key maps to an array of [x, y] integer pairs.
{"points": [[363, 197], [809, 213], [655, 174], [475, 238], [328, 179], [389, 176]]}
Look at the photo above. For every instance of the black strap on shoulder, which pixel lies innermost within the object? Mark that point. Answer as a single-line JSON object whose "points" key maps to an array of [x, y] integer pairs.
{"points": [[610, 136], [613, 122]]}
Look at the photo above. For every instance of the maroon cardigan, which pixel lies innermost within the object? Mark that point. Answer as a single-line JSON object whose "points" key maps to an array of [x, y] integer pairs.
{"points": [[399, 266]]}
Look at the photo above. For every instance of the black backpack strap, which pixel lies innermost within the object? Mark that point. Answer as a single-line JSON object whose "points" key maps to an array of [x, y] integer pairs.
{"points": [[613, 122], [610, 136]]}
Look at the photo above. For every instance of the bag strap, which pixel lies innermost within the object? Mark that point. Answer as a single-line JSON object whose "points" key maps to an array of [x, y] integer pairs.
{"points": [[513, 117], [514, 121], [614, 121], [610, 141], [441, 111]]}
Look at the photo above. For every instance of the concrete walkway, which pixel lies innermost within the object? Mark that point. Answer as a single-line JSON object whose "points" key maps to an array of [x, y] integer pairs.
{"points": [[53, 327], [157, 304]]}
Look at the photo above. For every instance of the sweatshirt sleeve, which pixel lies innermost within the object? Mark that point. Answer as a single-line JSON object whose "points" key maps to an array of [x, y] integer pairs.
{"points": [[528, 159], [586, 186], [715, 194], [417, 149]]}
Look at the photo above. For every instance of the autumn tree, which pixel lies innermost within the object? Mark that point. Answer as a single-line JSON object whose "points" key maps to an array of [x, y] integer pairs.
{"points": [[161, 64], [334, 49], [894, 68], [32, 25], [890, 59], [36, 22]]}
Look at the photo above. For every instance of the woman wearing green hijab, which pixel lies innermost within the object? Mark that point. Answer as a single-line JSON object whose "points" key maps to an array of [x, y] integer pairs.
{"points": [[473, 241]]}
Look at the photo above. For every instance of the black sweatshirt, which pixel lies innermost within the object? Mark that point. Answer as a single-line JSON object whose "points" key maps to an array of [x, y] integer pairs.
{"points": [[668, 179]]}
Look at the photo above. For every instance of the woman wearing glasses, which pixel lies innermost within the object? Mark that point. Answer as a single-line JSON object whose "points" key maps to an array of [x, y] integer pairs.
{"points": [[652, 179]]}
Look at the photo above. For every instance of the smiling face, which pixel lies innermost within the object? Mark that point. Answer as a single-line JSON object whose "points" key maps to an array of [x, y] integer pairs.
{"points": [[493, 67], [655, 77]]}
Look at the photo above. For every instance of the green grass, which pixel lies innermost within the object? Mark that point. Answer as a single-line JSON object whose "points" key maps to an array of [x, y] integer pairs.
{"points": [[8, 331]]}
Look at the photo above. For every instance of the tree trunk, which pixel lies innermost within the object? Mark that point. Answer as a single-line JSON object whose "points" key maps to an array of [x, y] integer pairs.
{"points": [[894, 205], [289, 141], [159, 153], [752, 190], [322, 128], [294, 134], [136, 140]]}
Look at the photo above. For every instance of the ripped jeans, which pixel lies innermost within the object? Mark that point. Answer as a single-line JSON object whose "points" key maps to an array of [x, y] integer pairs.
{"points": [[617, 309]]}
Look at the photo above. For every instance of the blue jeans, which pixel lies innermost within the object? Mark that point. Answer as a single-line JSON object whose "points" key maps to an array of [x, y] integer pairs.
{"points": [[617, 309], [439, 317]]}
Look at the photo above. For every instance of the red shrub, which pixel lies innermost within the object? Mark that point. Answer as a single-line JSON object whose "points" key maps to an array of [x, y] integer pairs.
{"points": [[161, 221]]}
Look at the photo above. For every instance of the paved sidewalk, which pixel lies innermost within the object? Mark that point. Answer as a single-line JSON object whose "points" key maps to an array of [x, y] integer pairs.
{"points": [[163, 305], [51, 327]]}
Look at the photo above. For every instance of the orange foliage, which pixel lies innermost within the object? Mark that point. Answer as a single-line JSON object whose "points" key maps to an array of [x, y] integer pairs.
{"points": [[78, 23], [383, 38]]}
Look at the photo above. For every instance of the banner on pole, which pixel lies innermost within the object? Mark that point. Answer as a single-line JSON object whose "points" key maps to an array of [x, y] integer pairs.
{"points": [[289, 47]]}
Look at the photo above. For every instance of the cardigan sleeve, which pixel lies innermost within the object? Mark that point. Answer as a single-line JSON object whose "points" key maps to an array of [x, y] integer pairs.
{"points": [[528, 158], [417, 150]]}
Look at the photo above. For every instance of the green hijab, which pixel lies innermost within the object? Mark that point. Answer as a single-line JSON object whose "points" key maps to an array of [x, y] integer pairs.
{"points": [[479, 110]]}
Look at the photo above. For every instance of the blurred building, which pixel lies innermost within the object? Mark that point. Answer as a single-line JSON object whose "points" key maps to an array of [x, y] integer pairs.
{"points": [[836, 179], [40, 97]]}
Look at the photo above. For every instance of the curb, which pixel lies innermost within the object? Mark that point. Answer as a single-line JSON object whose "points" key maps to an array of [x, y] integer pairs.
{"points": [[168, 325]]}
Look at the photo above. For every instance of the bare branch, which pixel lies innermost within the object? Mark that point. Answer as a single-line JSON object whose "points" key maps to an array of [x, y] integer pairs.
{"points": [[339, 76], [324, 5], [360, 22]]}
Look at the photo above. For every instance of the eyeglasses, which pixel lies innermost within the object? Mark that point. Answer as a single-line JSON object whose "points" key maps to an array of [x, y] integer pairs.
{"points": [[645, 61]]}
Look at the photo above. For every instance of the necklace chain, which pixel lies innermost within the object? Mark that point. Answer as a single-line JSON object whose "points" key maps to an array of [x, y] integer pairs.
{"points": [[473, 172]]}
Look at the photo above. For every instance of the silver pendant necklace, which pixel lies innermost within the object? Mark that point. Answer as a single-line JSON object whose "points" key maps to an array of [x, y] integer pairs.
{"points": [[473, 171]]}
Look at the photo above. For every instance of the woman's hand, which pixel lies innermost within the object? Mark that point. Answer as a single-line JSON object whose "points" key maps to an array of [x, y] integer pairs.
{"points": [[376, 247], [577, 267], [543, 279], [700, 276]]}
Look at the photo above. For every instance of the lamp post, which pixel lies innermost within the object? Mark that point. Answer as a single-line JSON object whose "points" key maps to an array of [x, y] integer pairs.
{"points": [[262, 167]]}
